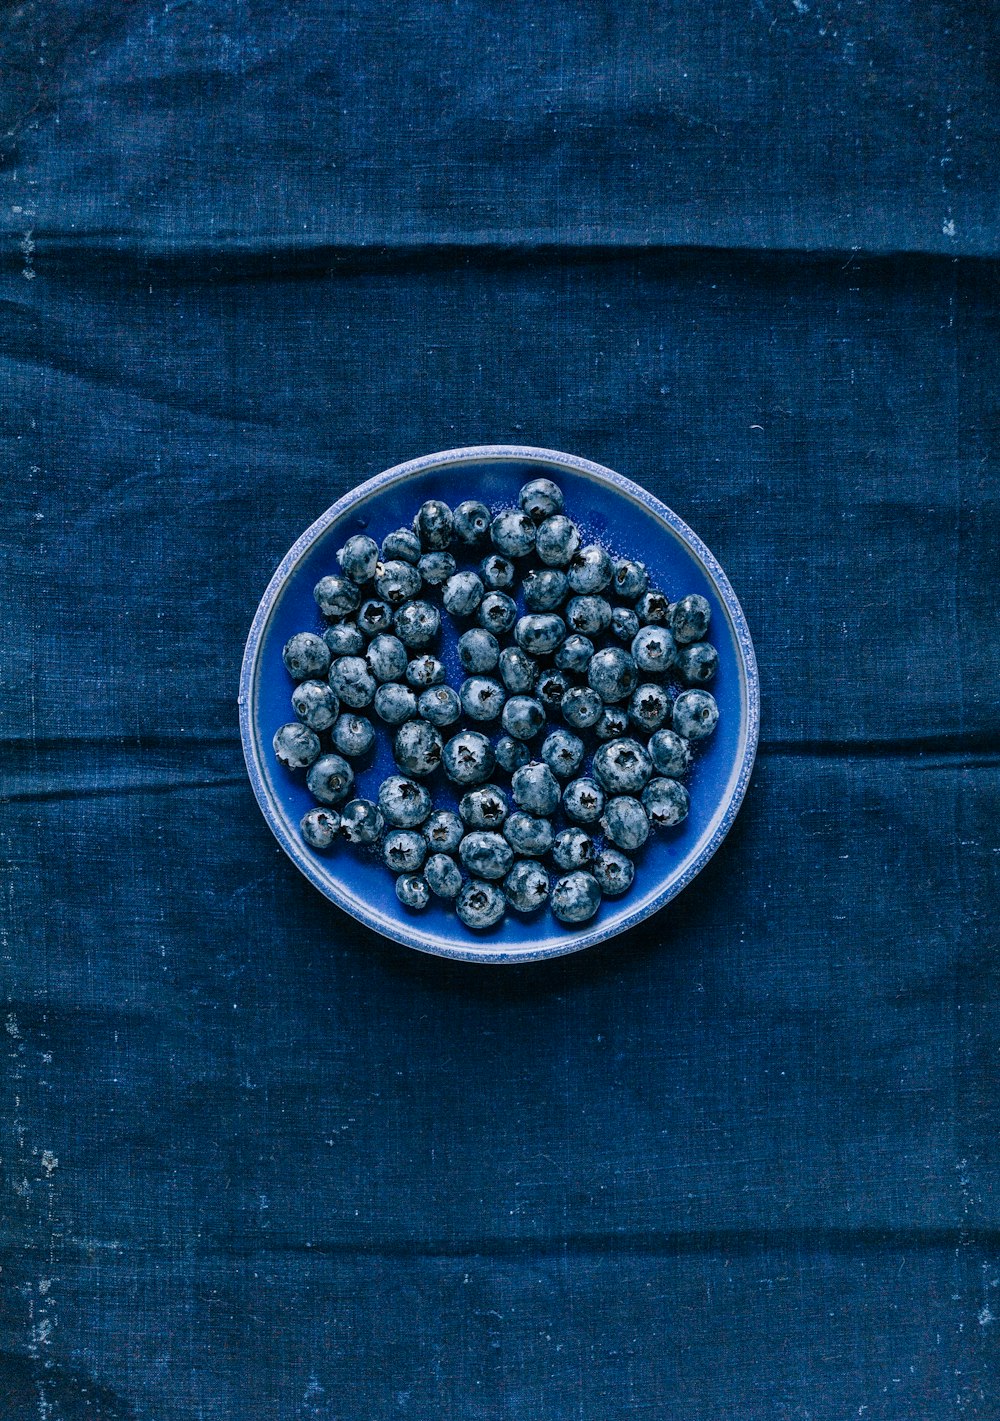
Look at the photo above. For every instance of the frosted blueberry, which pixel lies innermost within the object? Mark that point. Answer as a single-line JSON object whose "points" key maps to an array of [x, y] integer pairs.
{"points": [[404, 850], [396, 582], [417, 624], [497, 612], [305, 656], [581, 707], [572, 849], [480, 905], [589, 569], [361, 821], [403, 545], [403, 803], [689, 618], [583, 801], [472, 522], [576, 897], [523, 717], [436, 568], [539, 633], [589, 615], [412, 891], [319, 827], [540, 499], [330, 779], [697, 663], [622, 766], [443, 831], [624, 624], [478, 649], [557, 540], [352, 681], [496, 572], [463, 593], [418, 748], [344, 638], [517, 670], [511, 754], [440, 705], [695, 714], [468, 758], [666, 802], [650, 706], [433, 524], [653, 607], [612, 724], [394, 703], [425, 671], [483, 808], [443, 875], [535, 789], [352, 734], [513, 534], [575, 653], [550, 688], [653, 649], [630, 579], [670, 753], [563, 752], [485, 854], [358, 557], [544, 589], [614, 872], [296, 745], [315, 704], [482, 697], [374, 616], [625, 823], [528, 835], [336, 595], [526, 886], [386, 657], [612, 674]]}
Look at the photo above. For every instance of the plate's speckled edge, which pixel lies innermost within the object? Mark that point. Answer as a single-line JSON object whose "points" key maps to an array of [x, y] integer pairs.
{"points": [[397, 931]]}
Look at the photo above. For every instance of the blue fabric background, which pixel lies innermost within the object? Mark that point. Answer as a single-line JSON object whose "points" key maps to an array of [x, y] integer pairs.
{"points": [[259, 1163]]}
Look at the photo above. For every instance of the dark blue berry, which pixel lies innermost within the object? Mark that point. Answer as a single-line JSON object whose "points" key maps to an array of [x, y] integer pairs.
{"points": [[396, 582], [443, 831], [417, 624], [440, 705], [306, 656], [511, 754], [412, 891], [497, 612], [544, 589], [697, 663], [478, 649], [352, 734], [540, 499], [443, 875], [625, 823], [463, 593], [583, 800], [482, 697], [523, 717], [418, 748], [528, 835], [513, 534], [649, 707], [403, 803], [352, 681], [613, 723], [436, 568], [535, 789], [666, 802], [670, 753], [386, 657], [480, 905], [358, 557], [589, 569], [404, 850], [472, 522], [374, 616], [557, 540], [653, 608], [575, 652], [320, 827], [689, 618], [344, 638], [572, 849], [336, 595], [622, 766], [296, 745], [581, 707], [433, 524], [315, 704], [468, 758], [589, 615], [496, 572], [485, 854], [563, 752], [624, 624], [631, 579], [539, 633], [361, 821], [517, 670], [550, 688], [483, 808], [402, 546], [330, 779], [653, 649], [612, 674], [575, 897], [695, 714], [526, 886], [395, 703], [425, 671], [614, 872]]}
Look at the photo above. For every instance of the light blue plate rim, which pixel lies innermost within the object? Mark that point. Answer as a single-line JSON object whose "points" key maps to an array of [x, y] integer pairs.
{"points": [[398, 931]]}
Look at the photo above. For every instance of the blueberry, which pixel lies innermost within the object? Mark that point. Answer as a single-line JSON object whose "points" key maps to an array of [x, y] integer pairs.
{"points": [[361, 821], [649, 707], [695, 714], [480, 905], [589, 569], [513, 533], [330, 779], [412, 891], [352, 734], [485, 854], [653, 649], [443, 831], [497, 612], [575, 653], [697, 663], [352, 681], [625, 823], [315, 704], [526, 886], [436, 568], [483, 808], [689, 618], [468, 758], [433, 524], [535, 788], [425, 671], [344, 639], [557, 540], [563, 752], [482, 697], [589, 615], [583, 800], [396, 582], [402, 546], [404, 850], [614, 872], [418, 748], [443, 875], [540, 499], [386, 657], [374, 616], [403, 803], [478, 650], [666, 802], [550, 688], [440, 705], [622, 766], [575, 897], [296, 745], [472, 522], [581, 707], [652, 608], [496, 572], [630, 579], [572, 849], [528, 835], [670, 753], [306, 656], [463, 593], [417, 623], [320, 827], [544, 589], [511, 754], [336, 596], [358, 557], [395, 703], [624, 624], [517, 670], [613, 723], [612, 674], [539, 633], [523, 717]]}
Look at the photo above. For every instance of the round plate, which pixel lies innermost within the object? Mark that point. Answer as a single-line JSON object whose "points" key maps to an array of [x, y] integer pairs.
{"points": [[608, 509]]}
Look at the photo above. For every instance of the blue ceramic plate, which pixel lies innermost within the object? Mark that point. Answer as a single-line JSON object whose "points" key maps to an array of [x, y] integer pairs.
{"points": [[608, 509]]}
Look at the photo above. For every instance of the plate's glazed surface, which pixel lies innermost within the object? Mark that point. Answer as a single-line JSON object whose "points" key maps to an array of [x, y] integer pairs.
{"points": [[610, 510]]}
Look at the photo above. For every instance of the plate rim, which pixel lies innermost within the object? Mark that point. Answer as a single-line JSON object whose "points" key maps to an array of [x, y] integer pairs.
{"points": [[397, 932]]}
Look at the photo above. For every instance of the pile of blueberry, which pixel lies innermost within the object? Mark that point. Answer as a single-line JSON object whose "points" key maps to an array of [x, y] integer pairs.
{"points": [[596, 648]]}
